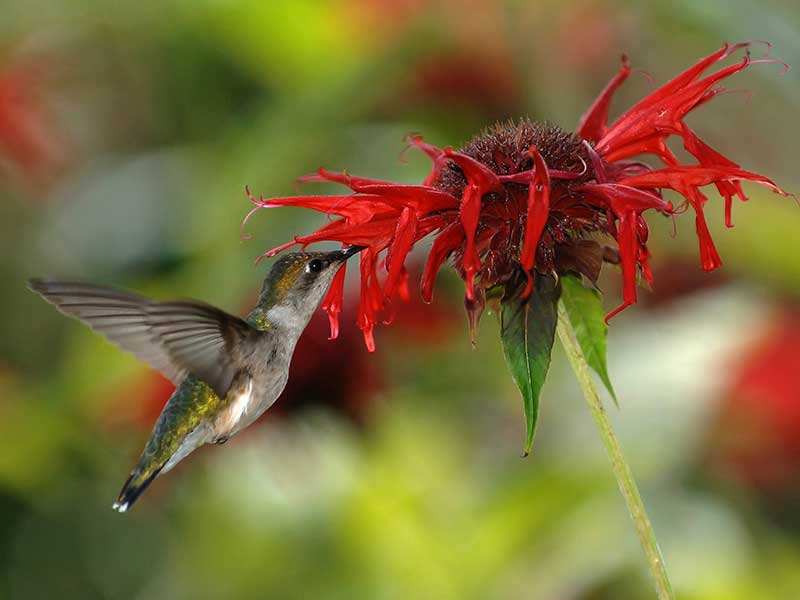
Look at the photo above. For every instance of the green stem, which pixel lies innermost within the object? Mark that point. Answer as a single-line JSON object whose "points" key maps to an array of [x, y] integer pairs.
{"points": [[622, 471]]}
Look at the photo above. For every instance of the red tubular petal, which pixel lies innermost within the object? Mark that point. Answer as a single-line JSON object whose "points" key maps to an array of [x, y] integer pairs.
{"points": [[277, 249], [592, 125], [600, 174], [351, 181], [332, 303], [538, 212], [704, 153], [434, 153], [368, 304], [431, 223], [642, 231], [621, 198], [628, 255], [356, 208], [422, 198], [480, 180], [728, 210], [527, 176], [376, 234], [679, 82], [474, 310], [710, 157], [644, 262], [661, 112], [445, 242], [404, 238], [369, 338], [470, 213], [679, 178], [476, 173], [709, 257]]}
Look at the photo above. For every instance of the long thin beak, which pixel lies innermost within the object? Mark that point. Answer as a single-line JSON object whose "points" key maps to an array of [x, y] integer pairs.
{"points": [[351, 251]]}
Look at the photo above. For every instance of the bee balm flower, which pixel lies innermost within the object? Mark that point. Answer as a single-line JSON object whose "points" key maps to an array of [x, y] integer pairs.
{"points": [[524, 200]]}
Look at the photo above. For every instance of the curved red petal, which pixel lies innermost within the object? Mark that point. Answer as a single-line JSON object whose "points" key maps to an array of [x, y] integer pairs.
{"points": [[593, 123], [661, 112], [435, 154], [332, 303], [446, 241], [376, 234], [352, 181], [421, 198], [470, 214], [538, 212], [628, 254], [355, 207], [404, 239], [476, 173], [369, 304], [679, 178], [622, 197]]}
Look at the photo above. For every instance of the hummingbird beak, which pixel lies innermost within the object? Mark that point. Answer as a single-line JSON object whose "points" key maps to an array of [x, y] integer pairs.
{"points": [[351, 251]]}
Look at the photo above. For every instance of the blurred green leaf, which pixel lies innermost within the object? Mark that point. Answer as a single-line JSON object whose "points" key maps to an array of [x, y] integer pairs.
{"points": [[527, 330], [585, 309]]}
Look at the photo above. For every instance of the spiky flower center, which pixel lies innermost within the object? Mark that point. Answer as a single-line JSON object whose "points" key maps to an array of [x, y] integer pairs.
{"points": [[505, 148]]}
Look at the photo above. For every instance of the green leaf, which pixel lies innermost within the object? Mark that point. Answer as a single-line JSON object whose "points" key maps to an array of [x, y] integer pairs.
{"points": [[585, 310], [527, 329]]}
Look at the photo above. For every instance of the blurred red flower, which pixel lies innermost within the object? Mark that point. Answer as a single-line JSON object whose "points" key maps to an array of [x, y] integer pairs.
{"points": [[467, 79], [523, 199], [757, 433], [27, 135]]}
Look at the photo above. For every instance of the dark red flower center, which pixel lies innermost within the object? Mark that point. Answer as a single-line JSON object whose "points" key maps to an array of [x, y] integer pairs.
{"points": [[505, 149]]}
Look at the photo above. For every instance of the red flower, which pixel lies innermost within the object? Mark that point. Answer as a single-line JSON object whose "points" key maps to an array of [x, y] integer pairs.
{"points": [[756, 436], [27, 135], [525, 198]]}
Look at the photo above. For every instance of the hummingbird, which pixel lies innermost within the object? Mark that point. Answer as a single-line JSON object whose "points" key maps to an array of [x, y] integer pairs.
{"points": [[227, 370]]}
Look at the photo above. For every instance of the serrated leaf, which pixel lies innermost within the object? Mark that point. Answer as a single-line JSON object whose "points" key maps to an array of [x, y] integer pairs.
{"points": [[527, 330], [585, 309]]}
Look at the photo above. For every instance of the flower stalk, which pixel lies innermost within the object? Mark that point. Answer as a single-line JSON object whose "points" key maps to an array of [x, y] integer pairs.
{"points": [[622, 472]]}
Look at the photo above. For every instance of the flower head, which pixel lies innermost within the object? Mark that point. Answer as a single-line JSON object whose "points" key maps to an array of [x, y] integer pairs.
{"points": [[524, 199]]}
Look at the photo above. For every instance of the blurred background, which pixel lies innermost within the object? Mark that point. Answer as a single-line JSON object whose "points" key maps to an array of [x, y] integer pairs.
{"points": [[127, 134]]}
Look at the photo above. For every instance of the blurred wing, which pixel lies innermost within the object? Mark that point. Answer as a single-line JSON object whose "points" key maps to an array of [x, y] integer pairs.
{"points": [[177, 338]]}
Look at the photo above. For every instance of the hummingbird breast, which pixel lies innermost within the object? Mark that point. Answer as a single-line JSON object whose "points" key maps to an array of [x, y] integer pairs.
{"points": [[239, 404], [249, 396]]}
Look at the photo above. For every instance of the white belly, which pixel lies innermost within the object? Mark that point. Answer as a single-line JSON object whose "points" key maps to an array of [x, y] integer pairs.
{"points": [[236, 413]]}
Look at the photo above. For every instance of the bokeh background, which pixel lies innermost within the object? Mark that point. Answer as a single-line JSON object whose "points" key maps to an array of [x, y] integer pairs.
{"points": [[127, 134]]}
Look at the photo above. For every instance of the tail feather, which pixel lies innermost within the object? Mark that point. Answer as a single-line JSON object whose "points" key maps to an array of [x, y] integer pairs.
{"points": [[137, 482]]}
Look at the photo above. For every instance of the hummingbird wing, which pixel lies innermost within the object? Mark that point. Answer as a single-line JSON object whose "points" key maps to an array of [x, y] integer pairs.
{"points": [[176, 338]]}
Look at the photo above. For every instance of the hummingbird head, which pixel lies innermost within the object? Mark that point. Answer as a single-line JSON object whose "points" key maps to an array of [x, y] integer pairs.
{"points": [[296, 284]]}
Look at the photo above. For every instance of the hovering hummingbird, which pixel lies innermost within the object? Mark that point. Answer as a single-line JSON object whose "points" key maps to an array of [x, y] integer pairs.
{"points": [[227, 370]]}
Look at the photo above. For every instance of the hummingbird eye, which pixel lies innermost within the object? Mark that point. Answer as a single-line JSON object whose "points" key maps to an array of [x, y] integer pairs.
{"points": [[315, 266]]}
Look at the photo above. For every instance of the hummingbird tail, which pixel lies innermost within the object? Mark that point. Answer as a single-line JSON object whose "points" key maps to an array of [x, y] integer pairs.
{"points": [[136, 483]]}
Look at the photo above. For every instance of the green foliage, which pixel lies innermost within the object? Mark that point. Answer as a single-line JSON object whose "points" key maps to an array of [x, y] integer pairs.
{"points": [[585, 309], [527, 330]]}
